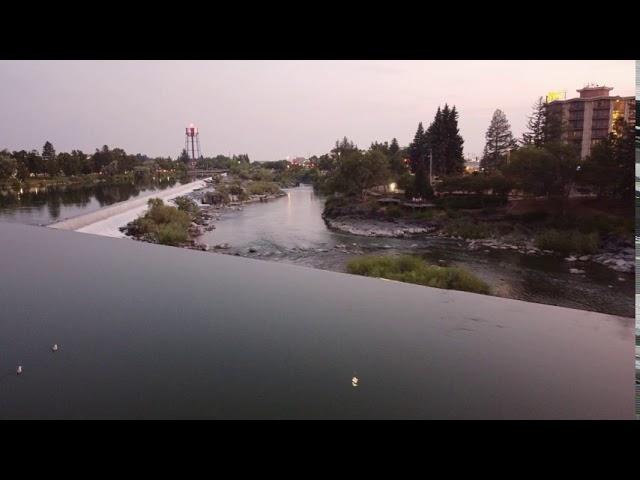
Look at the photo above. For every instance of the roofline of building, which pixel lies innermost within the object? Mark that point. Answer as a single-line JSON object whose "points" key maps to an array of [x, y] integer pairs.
{"points": [[614, 97]]}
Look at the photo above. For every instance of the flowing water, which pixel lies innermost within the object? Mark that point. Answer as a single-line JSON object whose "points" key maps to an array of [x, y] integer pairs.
{"points": [[290, 229]]}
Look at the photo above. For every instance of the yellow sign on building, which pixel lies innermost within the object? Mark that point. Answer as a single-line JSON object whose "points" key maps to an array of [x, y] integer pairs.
{"points": [[553, 96]]}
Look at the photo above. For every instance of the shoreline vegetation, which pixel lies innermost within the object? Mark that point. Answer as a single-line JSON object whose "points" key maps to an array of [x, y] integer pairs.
{"points": [[412, 269]]}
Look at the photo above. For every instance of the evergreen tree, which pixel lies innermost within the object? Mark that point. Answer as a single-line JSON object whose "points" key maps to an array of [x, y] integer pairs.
{"points": [[445, 142], [394, 147], [454, 159], [49, 158], [536, 125], [436, 139], [553, 126], [421, 187], [418, 148], [48, 152], [184, 156], [499, 141]]}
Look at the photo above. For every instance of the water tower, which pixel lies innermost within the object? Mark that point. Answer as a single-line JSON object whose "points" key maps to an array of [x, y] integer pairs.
{"points": [[192, 144]]}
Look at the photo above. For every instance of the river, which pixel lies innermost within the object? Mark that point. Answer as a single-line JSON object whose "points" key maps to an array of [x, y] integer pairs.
{"points": [[291, 230], [46, 205]]}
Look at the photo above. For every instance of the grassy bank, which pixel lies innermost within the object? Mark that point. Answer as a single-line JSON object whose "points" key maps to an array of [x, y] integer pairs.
{"points": [[411, 269], [568, 241]]}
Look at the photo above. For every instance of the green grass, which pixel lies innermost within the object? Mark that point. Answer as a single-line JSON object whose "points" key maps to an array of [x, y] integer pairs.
{"points": [[466, 228], [568, 241], [411, 269]]}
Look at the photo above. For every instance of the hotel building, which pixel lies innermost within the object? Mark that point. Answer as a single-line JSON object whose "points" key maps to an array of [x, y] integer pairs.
{"points": [[591, 117]]}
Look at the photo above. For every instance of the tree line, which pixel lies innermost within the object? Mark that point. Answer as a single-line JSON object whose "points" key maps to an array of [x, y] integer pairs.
{"points": [[540, 163], [24, 164]]}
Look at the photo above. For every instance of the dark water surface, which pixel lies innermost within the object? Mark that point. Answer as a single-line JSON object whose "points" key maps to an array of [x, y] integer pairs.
{"points": [[290, 229], [147, 331]]}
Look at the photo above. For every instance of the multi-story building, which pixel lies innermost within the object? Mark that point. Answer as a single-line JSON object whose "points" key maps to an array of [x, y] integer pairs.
{"points": [[591, 117]]}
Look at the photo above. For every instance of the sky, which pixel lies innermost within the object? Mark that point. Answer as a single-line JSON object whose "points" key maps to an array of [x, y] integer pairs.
{"points": [[273, 109]]}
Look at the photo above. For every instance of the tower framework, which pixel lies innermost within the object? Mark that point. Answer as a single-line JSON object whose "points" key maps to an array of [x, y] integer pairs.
{"points": [[192, 144]]}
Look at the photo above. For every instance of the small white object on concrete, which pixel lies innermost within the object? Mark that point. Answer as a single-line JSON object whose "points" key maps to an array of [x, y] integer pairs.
{"points": [[354, 381], [55, 347], [19, 370]]}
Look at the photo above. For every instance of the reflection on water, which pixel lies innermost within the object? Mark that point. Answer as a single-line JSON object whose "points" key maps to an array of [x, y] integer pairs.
{"points": [[291, 230], [45, 205]]}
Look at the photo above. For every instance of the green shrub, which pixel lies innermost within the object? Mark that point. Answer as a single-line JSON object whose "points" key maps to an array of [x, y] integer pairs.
{"points": [[472, 201], [568, 241], [394, 211], [423, 214], [411, 269], [171, 234], [185, 204], [162, 224], [219, 197], [262, 188], [465, 227]]}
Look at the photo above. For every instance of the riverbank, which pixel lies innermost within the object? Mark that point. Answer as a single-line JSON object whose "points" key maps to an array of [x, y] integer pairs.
{"points": [[615, 255], [529, 228]]}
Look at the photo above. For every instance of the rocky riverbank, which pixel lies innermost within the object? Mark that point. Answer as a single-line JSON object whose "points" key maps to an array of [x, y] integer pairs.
{"points": [[617, 255], [378, 228]]}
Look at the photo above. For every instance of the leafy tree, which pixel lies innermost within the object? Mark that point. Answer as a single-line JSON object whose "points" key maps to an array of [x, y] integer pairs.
{"points": [[397, 162], [356, 171], [536, 125], [550, 170], [243, 158], [343, 147], [381, 147], [8, 166], [499, 141], [611, 165], [326, 163]]}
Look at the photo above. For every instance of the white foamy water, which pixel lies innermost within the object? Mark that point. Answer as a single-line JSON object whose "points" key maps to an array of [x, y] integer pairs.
{"points": [[107, 221]]}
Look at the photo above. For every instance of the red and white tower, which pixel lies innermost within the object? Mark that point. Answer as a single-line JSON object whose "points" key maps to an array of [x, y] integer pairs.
{"points": [[192, 144]]}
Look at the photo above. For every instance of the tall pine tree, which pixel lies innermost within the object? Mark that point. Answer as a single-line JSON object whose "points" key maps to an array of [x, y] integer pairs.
{"points": [[499, 141], [445, 142], [536, 125], [418, 148], [394, 147], [49, 158]]}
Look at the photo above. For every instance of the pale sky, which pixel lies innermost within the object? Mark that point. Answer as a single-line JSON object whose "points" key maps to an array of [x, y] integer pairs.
{"points": [[273, 109]]}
